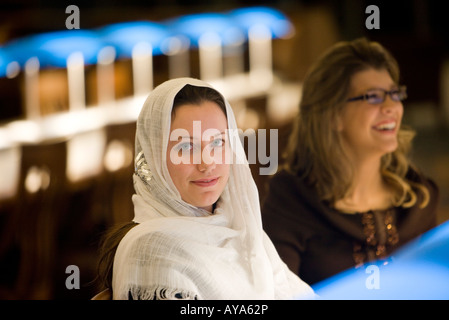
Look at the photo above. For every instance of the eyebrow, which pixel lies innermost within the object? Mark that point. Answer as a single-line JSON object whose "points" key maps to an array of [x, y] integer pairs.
{"points": [[393, 86], [220, 134], [191, 138]]}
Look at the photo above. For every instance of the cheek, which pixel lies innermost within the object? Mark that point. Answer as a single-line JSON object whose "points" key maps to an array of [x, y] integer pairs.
{"points": [[361, 120], [221, 156], [180, 175], [347, 118], [356, 126], [349, 121], [178, 172], [401, 112], [225, 171]]}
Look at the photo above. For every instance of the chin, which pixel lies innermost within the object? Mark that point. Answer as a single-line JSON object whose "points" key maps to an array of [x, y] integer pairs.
{"points": [[386, 151], [207, 201], [393, 147]]}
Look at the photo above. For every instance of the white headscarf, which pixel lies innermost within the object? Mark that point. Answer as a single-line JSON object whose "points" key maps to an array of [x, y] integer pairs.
{"points": [[178, 250]]}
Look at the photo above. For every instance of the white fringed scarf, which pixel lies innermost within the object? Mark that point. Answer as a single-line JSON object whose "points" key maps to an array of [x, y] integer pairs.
{"points": [[180, 251]]}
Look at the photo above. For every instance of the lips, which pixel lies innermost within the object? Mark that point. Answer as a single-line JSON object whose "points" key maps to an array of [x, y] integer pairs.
{"points": [[386, 126], [208, 182]]}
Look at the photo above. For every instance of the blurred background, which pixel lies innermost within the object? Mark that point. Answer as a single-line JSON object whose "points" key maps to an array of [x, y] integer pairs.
{"points": [[69, 99]]}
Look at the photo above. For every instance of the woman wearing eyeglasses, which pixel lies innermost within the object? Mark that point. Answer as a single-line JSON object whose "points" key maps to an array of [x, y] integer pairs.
{"points": [[348, 193]]}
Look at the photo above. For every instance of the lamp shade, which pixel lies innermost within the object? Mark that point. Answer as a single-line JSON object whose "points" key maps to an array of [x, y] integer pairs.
{"points": [[53, 48], [5, 60], [274, 20], [126, 35], [194, 26]]}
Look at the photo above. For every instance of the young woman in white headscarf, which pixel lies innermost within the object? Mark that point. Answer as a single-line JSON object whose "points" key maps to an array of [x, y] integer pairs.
{"points": [[197, 230]]}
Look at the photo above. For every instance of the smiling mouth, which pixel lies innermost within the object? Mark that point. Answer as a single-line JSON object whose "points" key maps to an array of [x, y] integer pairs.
{"points": [[205, 182], [386, 127]]}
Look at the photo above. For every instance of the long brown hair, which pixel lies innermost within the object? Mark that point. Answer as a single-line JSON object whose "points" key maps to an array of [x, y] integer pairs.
{"points": [[315, 152], [189, 94]]}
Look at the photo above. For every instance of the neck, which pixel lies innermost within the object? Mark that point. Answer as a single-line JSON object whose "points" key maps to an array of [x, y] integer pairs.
{"points": [[368, 190], [367, 178], [210, 208]]}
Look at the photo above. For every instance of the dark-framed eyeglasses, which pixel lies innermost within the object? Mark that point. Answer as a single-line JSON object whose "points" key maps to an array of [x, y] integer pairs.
{"points": [[377, 96]]}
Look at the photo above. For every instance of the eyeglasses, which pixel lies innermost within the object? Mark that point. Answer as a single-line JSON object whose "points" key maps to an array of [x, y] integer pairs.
{"points": [[377, 96]]}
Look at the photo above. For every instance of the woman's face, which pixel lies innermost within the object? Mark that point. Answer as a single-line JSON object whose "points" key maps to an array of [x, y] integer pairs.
{"points": [[196, 153], [370, 129]]}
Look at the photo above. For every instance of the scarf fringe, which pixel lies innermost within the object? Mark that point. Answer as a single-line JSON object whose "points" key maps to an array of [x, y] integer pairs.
{"points": [[158, 293]]}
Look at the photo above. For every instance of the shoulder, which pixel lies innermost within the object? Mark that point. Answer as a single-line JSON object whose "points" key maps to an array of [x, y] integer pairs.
{"points": [[417, 219], [147, 240], [414, 175], [284, 181], [290, 199], [285, 175], [282, 189]]}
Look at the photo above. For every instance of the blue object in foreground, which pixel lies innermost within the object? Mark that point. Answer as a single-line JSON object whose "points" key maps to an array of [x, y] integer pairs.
{"points": [[418, 271]]}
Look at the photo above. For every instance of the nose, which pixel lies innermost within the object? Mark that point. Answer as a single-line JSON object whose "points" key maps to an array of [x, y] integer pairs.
{"points": [[389, 105], [207, 163]]}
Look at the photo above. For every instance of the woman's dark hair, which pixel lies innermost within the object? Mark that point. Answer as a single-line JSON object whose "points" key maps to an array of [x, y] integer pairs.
{"points": [[197, 95], [108, 246]]}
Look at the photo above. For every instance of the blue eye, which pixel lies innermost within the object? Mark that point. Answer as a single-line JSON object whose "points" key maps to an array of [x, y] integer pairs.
{"points": [[186, 146], [217, 143]]}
